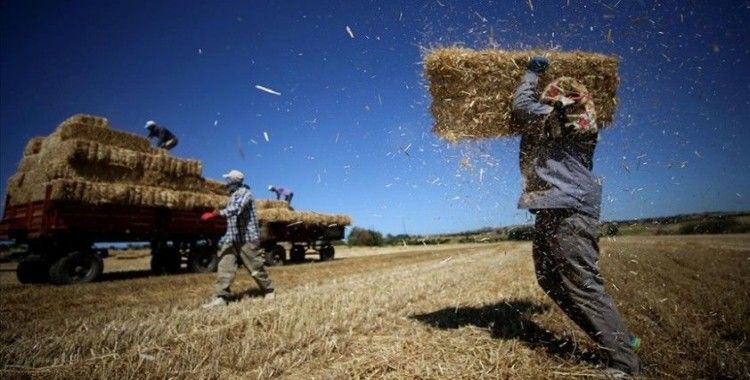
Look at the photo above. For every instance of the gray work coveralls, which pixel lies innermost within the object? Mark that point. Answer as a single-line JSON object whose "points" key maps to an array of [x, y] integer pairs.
{"points": [[566, 198]]}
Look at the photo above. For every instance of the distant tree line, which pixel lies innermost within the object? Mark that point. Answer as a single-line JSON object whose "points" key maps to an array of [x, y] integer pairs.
{"points": [[715, 225], [708, 223]]}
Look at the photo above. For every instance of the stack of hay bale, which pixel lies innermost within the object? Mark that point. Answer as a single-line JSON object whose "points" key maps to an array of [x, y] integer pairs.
{"points": [[472, 91], [279, 211], [86, 161]]}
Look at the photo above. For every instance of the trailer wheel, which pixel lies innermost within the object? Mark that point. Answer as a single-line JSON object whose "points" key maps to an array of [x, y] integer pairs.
{"points": [[165, 261], [32, 270], [75, 268], [275, 255], [326, 252], [297, 253], [203, 260]]}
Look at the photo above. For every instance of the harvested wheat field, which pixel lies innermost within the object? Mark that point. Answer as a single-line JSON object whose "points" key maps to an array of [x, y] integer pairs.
{"points": [[452, 312]]}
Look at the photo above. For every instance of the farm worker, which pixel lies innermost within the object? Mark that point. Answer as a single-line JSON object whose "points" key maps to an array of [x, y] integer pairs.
{"points": [[556, 160], [282, 192], [240, 243], [165, 138]]}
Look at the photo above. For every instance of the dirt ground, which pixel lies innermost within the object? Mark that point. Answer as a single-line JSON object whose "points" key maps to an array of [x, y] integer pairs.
{"points": [[455, 311]]}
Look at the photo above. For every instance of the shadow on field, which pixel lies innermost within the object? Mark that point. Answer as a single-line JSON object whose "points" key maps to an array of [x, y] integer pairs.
{"points": [[133, 275], [509, 320]]}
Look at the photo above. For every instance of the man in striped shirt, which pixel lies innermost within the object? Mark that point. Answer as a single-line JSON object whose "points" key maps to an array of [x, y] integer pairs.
{"points": [[240, 241]]}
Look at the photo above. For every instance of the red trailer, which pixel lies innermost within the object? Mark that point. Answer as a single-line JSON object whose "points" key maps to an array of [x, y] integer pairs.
{"points": [[60, 237]]}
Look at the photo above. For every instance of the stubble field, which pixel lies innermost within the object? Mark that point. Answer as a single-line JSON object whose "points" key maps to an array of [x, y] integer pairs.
{"points": [[458, 312]]}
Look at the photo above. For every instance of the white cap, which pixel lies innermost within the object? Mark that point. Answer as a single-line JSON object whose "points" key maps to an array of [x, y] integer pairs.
{"points": [[150, 123], [270, 187], [234, 176]]}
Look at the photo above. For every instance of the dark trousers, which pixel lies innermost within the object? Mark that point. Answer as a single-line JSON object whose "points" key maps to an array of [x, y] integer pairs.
{"points": [[566, 255], [288, 198]]}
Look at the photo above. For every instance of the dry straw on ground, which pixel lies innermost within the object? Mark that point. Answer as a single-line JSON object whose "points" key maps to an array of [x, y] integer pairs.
{"points": [[472, 91], [458, 313]]}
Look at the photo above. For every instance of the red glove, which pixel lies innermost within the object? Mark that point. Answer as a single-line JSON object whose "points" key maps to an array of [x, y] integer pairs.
{"points": [[209, 215]]}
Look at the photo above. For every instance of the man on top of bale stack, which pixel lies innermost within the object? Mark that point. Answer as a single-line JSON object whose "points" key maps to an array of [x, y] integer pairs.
{"points": [[165, 138], [556, 159], [282, 192], [241, 240]]}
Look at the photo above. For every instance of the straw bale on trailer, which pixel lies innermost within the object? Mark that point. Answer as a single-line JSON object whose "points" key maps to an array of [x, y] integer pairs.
{"points": [[98, 193], [106, 136], [472, 91], [33, 146], [27, 163], [273, 215], [88, 120], [262, 204], [215, 187], [85, 161], [281, 215], [79, 151]]}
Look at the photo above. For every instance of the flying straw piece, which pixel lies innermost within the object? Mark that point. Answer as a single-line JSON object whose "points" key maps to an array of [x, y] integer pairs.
{"points": [[349, 30], [265, 136], [268, 90]]}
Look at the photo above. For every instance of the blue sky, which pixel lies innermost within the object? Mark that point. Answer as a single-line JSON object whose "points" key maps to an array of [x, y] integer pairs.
{"points": [[347, 105]]}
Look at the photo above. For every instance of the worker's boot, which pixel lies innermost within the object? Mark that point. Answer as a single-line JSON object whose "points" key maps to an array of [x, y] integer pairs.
{"points": [[270, 296], [215, 303]]}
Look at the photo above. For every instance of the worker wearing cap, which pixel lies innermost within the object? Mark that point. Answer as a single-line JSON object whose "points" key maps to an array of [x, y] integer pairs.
{"points": [[560, 189], [240, 241], [282, 192], [165, 138]]}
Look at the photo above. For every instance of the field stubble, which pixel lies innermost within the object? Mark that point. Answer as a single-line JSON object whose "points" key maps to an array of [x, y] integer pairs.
{"points": [[467, 312]]}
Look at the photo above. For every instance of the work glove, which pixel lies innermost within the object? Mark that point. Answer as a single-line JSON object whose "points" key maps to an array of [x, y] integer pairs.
{"points": [[538, 64], [209, 215]]}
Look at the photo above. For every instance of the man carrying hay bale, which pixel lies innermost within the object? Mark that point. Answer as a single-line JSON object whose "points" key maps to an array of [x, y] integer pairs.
{"points": [[241, 241], [165, 138], [556, 159]]}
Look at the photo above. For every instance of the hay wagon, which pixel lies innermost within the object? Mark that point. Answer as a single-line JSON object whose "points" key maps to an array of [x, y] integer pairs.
{"points": [[60, 236]]}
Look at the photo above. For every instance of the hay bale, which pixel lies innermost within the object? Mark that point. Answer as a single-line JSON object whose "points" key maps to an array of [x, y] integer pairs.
{"points": [[281, 215], [105, 136], [89, 160], [98, 193], [27, 163], [88, 120], [33, 146], [261, 204], [472, 91], [215, 187]]}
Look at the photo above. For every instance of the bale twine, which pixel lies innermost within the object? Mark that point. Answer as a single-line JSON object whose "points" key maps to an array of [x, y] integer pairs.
{"points": [[472, 91]]}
